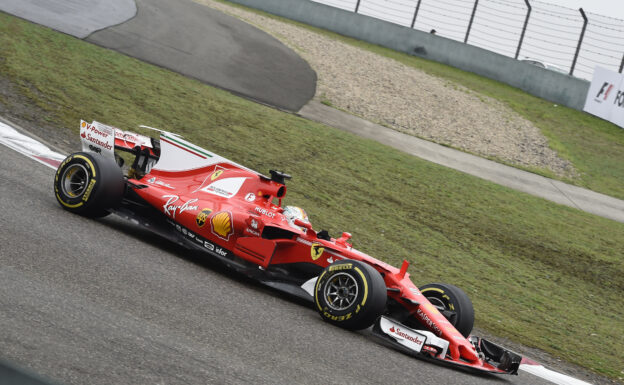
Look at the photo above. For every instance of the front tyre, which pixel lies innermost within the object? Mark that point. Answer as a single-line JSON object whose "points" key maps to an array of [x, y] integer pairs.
{"points": [[350, 294], [88, 185], [453, 303]]}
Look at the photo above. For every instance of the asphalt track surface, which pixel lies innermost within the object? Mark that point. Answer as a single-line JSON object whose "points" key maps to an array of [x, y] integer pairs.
{"points": [[185, 37], [218, 49], [104, 301], [77, 18]]}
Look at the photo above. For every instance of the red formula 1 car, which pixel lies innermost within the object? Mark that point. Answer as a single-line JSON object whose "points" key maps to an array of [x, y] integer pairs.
{"points": [[198, 198]]}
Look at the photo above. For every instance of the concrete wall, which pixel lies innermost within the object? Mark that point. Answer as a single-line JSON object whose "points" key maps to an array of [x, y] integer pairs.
{"points": [[558, 88]]}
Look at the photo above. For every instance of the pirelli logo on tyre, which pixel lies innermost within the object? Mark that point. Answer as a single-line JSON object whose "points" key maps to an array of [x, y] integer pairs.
{"points": [[222, 225], [87, 193], [344, 266], [337, 318]]}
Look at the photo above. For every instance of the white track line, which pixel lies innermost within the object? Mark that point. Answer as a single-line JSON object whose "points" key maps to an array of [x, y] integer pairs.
{"points": [[552, 376], [29, 147], [42, 154]]}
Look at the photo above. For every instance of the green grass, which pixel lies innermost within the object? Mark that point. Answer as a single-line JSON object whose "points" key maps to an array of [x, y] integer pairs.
{"points": [[544, 275], [594, 146]]}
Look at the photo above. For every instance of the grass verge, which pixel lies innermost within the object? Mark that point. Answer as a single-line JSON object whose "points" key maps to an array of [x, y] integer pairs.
{"points": [[545, 275], [594, 146]]}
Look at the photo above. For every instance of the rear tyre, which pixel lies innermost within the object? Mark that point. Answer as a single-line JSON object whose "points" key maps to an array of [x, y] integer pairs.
{"points": [[350, 294], [453, 303], [88, 185]]}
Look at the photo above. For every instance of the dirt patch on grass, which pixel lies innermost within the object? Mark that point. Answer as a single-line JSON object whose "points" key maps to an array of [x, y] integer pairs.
{"points": [[404, 98]]}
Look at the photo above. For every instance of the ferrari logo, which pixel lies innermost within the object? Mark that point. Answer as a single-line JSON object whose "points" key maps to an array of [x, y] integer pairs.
{"points": [[316, 251], [216, 174]]}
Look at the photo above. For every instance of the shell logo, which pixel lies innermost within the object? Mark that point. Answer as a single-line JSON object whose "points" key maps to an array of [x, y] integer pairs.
{"points": [[222, 225]]}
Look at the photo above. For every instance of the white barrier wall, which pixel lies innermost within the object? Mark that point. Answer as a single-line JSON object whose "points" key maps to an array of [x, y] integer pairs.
{"points": [[605, 98], [550, 85]]}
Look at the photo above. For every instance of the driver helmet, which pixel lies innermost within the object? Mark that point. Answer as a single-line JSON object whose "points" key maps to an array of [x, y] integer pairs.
{"points": [[293, 212]]}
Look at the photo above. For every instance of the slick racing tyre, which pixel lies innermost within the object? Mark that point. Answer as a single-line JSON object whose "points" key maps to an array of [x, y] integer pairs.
{"points": [[88, 184], [350, 294], [453, 303]]}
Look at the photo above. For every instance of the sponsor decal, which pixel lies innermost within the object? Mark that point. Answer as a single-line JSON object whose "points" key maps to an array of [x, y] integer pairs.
{"points": [[252, 232], [226, 188], [330, 260], [414, 291], [95, 149], [250, 197], [209, 246], [403, 335], [216, 174], [170, 209], [406, 336], [427, 321], [264, 211], [155, 181], [215, 249], [101, 137], [316, 251], [202, 217], [344, 266], [254, 226], [430, 308], [222, 225], [135, 139]]}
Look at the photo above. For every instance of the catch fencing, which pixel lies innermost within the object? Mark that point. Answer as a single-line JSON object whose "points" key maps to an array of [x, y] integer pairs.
{"points": [[572, 40]]}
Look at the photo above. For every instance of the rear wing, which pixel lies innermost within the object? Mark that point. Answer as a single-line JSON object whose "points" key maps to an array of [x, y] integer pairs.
{"points": [[103, 139], [169, 153]]}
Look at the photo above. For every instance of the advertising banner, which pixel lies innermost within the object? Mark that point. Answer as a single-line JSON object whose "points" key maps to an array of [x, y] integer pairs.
{"points": [[605, 98]]}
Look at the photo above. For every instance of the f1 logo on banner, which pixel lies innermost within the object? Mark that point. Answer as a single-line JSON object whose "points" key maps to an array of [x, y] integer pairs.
{"points": [[605, 98]]}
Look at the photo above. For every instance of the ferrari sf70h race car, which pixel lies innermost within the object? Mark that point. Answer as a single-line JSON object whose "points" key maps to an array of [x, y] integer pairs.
{"points": [[206, 202]]}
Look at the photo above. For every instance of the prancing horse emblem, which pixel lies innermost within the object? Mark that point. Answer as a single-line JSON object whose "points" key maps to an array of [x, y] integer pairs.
{"points": [[216, 174], [316, 251]]}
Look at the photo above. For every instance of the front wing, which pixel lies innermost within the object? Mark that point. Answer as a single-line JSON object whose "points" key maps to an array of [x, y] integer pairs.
{"points": [[421, 343]]}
